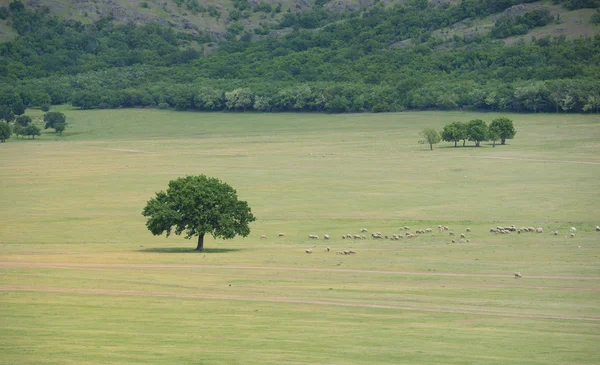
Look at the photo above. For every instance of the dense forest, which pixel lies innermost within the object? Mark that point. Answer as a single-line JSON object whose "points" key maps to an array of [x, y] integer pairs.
{"points": [[384, 58]]}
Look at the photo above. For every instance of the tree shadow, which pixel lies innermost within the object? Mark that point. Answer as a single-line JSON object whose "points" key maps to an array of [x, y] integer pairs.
{"points": [[188, 250]]}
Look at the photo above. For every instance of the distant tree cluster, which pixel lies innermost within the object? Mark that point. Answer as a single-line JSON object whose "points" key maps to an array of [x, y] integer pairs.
{"points": [[477, 131], [23, 125]]}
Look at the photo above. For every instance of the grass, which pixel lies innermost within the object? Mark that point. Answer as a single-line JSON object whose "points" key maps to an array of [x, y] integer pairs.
{"points": [[84, 282]]}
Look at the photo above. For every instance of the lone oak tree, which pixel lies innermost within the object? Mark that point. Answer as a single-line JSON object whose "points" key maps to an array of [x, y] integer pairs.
{"points": [[198, 205]]}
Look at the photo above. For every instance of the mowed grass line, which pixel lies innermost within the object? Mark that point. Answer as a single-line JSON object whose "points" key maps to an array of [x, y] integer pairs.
{"points": [[75, 228], [163, 330]]}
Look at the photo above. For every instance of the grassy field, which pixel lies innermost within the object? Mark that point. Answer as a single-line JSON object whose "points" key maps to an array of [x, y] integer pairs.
{"points": [[82, 280]]}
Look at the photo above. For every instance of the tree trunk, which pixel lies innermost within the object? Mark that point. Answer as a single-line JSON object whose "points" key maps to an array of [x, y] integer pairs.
{"points": [[476, 143], [494, 144], [503, 140], [454, 144], [431, 146], [464, 141], [200, 246]]}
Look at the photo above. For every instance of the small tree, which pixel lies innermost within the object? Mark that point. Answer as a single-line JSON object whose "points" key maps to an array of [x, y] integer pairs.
{"points": [[431, 137], [477, 131], [19, 130], [493, 135], [6, 113], [5, 131], [455, 132], [24, 120], [60, 127], [32, 130], [54, 118], [198, 205], [504, 127]]}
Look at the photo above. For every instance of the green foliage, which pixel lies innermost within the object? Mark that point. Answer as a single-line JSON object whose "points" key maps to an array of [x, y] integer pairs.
{"points": [[507, 26], [477, 131], [578, 4], [454, 132], [595, 19], [19, 130], [431, 137], [263, 7], [198, 205], [6, 113], [23, 120], [4, 12], [5, 131], [54, 120], [32, 130], [502, 128]]}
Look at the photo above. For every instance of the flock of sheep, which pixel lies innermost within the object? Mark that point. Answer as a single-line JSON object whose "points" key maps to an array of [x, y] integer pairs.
{"points": [[441, 229]]}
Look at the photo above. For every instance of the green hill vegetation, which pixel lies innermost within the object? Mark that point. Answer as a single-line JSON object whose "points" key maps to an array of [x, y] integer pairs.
{"points": [[327, 56]]}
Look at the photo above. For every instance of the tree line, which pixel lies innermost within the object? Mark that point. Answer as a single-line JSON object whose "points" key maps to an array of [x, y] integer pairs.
{"points": [[23, 125], [476, 130], [359, 64]]}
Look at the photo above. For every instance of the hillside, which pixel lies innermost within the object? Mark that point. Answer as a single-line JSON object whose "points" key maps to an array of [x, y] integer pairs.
{"points": [[331, 56], [212, 18]]}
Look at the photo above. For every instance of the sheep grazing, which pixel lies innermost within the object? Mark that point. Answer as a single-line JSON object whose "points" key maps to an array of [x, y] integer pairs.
{"points": [[406, 228], [468, 230], [451, 233], [531, 229], [518, 275], [446, 228], [339, 253], [363, 237], [327, 249], [309, 250], [428, 230], [343, 236], [572, 235], [468, 241], [348, 235], [462, 235], [453, 241], [326, 236], [282, 235], [358, 237], [313, 236], [540, 230], [462, 241], [555, 233], [597, 228], [364, 230], [263, 237], [573, 229]]}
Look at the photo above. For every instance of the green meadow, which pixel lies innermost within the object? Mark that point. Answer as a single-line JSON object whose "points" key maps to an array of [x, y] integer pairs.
{"points": [[84, 282]]}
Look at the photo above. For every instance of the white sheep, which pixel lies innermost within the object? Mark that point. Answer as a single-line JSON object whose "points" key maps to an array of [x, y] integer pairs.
{"points": [[518, 275], [462, 235], [540, 230], [427, 229], [451, 233], [309, 250], [282, 235], [364, 230], [468, 230], [597, 228], [573, 229], [327, 249], [313, 236], [326, 236], [572, 235], [263, 237]]}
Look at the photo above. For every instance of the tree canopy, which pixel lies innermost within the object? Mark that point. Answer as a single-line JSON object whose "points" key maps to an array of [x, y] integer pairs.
{"points": [[198, 205], [455, 132], [431, 137], [477, 131], [503, 128], [5, 131]]}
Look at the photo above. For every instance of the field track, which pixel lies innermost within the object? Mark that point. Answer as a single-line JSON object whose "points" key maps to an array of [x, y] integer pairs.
{"points": [[536, 160], [230, 267], [282, 300]]}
